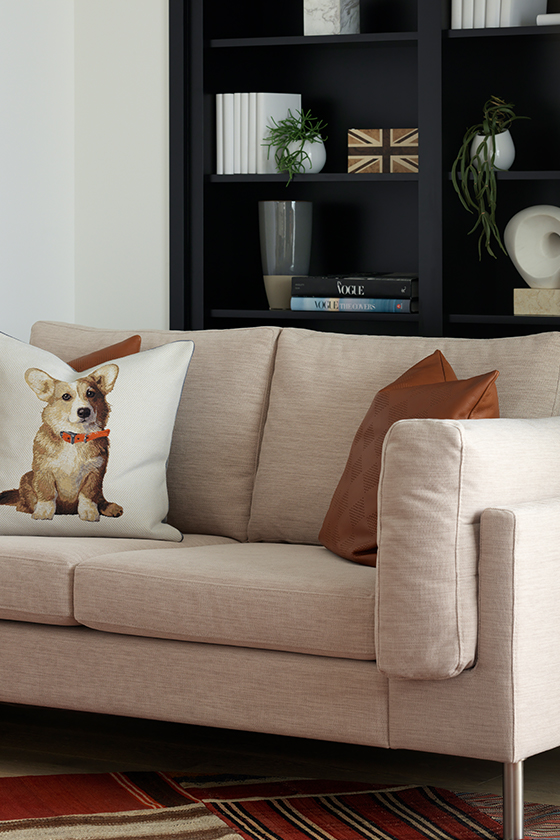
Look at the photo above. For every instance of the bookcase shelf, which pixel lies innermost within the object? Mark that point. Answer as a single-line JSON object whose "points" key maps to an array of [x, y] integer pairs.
{"points": [[288, 315], [503, 32], [307, 41], [406, 69], [322, 177], [529, 175], [505, 319]]}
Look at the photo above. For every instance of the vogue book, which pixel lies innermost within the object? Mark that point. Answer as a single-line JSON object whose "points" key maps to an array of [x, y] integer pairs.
{"points": [[336, 304], [390, 285]]}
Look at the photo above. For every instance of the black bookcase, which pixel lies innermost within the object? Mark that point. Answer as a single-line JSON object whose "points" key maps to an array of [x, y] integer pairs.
{"points": [[406, 69], [522, 65]]}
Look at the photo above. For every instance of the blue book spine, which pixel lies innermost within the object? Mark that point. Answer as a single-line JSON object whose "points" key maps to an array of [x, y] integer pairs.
{"points": [[332, 304]]}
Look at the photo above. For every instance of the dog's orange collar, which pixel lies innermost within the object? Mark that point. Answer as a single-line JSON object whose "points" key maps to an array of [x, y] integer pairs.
{"points": [[74, 437]]}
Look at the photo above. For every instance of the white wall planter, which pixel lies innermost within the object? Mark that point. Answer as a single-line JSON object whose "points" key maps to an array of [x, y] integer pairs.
{"points": [[503, 146], [331, 17], [316, 154]]}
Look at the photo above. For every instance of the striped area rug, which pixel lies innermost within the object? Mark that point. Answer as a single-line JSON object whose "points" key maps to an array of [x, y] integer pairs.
{"points": [[174, 806]]}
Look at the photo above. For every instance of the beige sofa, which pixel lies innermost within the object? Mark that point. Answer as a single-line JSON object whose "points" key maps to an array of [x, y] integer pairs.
{"points": [[450, 645]]}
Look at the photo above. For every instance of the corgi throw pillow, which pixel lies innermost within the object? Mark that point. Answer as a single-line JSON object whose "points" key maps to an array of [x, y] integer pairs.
{"points": [[428, 389], [85, 453]]}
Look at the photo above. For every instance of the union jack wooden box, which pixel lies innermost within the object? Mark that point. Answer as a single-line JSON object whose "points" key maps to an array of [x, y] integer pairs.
{"points": [[383, 150]]}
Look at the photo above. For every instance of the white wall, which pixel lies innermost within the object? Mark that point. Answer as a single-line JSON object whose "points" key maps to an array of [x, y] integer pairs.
{"points": [[121, 152], [36, 163], [83, 163]]}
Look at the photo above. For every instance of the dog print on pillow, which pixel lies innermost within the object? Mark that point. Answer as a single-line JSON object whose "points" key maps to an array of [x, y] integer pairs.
{"points": [[70, 450]]}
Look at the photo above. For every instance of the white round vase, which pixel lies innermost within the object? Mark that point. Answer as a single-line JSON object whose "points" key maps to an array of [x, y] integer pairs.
{"points": [[316, 151], [502, 143]]}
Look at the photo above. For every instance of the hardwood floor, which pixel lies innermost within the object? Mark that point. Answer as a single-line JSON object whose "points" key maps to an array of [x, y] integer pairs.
{"points": [[43, 741]]}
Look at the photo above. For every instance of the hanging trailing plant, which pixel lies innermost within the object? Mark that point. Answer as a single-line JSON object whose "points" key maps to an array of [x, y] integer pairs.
{"points": [[474, 175], [289, 137]]}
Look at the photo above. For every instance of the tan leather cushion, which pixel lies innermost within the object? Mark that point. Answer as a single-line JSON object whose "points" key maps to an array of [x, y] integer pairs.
{"points": [[270, 596], [106, 354], [428, 389]]}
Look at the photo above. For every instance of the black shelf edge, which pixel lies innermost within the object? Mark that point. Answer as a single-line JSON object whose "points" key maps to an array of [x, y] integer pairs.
{"points": [[501, 31], [504, 319], [289, 315], [310, 40], [324, 177], [525, 175]]}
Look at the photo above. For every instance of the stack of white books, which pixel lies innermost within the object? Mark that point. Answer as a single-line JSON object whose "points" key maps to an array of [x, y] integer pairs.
{"points": [[243, 121], [483, 14]]}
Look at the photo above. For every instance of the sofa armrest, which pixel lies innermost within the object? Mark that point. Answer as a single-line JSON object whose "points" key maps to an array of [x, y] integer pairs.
{"points": [[519, 616], [437, 477], [505, 708]]}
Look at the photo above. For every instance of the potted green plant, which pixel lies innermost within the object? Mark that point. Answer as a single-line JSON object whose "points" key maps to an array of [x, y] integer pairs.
{"points": [[487, 147], [297, 143]]}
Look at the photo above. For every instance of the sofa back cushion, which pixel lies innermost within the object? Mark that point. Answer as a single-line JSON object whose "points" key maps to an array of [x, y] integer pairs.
{"points": [[322, 387], [219, 423]]}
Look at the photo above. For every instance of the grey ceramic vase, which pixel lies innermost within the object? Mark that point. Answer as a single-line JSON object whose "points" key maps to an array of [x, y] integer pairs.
{"points": [[285, 236]]}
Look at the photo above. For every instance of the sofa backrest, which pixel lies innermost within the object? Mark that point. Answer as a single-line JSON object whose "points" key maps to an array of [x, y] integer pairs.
{"points": [[219, 423], [324, 383], [268, 415]]}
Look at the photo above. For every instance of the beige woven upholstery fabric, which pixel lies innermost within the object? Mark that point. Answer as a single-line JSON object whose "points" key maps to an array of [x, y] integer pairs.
{"points": [[323, 384], [37, 573], [206, 685], [279, 597], [437, 477], [506, 707], [218, 429]]}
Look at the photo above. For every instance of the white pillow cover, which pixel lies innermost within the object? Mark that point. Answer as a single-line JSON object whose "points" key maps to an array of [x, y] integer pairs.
{"points": [[61, 472]]}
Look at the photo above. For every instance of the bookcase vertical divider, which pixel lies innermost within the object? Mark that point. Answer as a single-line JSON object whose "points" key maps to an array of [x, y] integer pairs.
{"points": [[430, 181]]}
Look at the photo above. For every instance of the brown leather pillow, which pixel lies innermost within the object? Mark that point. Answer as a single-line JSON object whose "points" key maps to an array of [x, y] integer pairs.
{"points": [[106, 354], [429, 389]]}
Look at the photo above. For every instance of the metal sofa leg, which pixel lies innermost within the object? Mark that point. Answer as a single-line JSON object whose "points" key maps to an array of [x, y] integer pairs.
{"points": [[513, 804]]}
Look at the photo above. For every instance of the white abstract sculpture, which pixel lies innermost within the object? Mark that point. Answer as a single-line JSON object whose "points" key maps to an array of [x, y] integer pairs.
{"points": [[532, 240]]}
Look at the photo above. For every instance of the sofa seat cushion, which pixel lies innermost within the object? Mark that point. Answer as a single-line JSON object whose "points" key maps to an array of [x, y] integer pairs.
{"points": [[277, 597], [37, 573]]}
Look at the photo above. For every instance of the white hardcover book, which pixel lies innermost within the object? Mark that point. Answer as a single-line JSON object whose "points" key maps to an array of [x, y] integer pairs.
{"points": [[521, 12], [552, 19], [493, 8], [272, 106], [468, 14], [252, 166], [219, 134], [237, 133], [479, 14], [456, 14], [244, 133], [227, 99]]}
